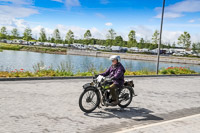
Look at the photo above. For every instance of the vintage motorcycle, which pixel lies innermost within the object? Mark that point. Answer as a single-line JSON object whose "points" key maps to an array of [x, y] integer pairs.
{"points": [[96, 94]]}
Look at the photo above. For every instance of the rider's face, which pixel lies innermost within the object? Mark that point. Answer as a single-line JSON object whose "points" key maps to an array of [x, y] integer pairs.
{"points": [[114, 62]]}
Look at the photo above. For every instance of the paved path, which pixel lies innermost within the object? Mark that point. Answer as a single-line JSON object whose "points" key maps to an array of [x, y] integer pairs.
{"points": [[52, 106], [188, 124]]}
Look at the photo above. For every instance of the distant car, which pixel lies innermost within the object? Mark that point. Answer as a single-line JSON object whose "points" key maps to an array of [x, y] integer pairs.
{"points": [[195, 54], [178, 54], [9, 41], [24, 43], [52, 44], [59, 45], [116, 48], [39, 43], [124, 49], [46, 44], [4, 40], [65, 45]]}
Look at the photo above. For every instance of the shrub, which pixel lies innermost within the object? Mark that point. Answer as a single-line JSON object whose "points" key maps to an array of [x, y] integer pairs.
{"points": [[177, 70]]}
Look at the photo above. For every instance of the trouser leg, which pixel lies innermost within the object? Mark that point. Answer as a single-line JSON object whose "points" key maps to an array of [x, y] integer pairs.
{"points": [[113, 92]]}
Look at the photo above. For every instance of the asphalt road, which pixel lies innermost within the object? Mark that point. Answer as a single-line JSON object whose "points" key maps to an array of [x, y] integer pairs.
{"points": [[43, 106]]}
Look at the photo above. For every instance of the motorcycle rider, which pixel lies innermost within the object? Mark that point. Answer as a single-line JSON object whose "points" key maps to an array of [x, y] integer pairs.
{"points": [[116, 73]]}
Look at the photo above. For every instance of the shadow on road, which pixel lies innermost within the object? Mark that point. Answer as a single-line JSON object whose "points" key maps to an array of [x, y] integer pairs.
{"points": [[134, 113]]}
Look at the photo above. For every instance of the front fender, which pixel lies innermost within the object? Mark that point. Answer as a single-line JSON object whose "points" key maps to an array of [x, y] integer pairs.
{"points": [[89, 85], [86, 85]]}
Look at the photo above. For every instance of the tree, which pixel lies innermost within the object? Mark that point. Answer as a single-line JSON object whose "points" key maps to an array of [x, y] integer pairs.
{"points": [[132, 39], [119, 41], [155, 37], [43, 36], [174, 45], [56, 36], [142, 41], [184, 39], [131, 35], [141, 44], [69, 37], [111, 34], [196, 47], [87, 34], [87, 37], [3, 33], [27, 34], [15, 33], [52, 40]]}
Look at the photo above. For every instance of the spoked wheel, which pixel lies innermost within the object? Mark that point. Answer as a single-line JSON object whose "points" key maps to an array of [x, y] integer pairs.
{"points": [[89, 100], [125, 97]]}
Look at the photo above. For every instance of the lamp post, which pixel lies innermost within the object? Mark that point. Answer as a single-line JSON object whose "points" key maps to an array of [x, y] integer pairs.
{"points": [[158, 56]]}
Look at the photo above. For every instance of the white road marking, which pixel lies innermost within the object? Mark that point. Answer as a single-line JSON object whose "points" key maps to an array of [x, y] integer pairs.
{"points": [[156, 124]]}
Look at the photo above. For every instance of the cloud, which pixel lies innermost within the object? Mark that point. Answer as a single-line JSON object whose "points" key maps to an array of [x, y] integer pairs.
{"points": [[185, 6], [191, 21], [142, 32], [146, 33], [18, 2], [108, 24], [20, 24], [170, 15], [100, 15], [178, 9], [71, 3], [57, 1], [104, 1], [16, 12], [17, 9], [13, 10]]}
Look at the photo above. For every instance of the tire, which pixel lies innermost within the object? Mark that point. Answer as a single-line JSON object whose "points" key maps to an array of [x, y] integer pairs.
{"points": [[81, 100], [130, 97]]}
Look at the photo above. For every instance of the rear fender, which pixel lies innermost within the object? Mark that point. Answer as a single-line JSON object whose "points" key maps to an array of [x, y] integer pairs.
{"points": [[132, 90]]}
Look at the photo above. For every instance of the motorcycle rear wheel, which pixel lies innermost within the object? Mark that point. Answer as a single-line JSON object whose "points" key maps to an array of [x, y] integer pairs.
{"points": [[125, 95]]}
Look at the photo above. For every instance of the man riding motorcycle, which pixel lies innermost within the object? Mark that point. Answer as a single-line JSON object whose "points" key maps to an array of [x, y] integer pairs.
{"points": [[116, 73]]}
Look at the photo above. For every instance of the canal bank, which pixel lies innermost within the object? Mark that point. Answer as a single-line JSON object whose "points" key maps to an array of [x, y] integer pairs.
{"points": [[64, 51], [145, 57]]}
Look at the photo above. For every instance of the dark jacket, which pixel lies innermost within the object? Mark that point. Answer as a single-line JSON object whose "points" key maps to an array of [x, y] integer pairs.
{"points": [[116, 73]]}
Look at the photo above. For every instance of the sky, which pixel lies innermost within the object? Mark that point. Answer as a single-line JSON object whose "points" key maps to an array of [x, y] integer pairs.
{"points": [[99, 16]]}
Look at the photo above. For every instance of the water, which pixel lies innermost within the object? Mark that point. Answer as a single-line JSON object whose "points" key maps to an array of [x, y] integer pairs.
{"points": [[10, 60]]}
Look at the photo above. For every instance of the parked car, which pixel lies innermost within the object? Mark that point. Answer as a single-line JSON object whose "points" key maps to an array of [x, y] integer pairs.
{"points": [[24, 43], [59, 45], [16, 41], [178, 54], [116, 48], [39, 43], [100, 47], [134, 49], [9, 41], [65, 45], [124, 49], [52, 44], [4, 40], [46, 44]]}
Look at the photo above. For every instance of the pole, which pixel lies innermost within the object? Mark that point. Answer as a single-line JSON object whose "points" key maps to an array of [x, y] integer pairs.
{"points": [[158, 56]]}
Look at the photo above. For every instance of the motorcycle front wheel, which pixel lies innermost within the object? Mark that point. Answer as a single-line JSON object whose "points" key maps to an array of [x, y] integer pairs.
{"points": [[89, 100]]}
